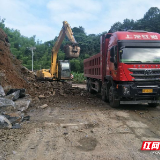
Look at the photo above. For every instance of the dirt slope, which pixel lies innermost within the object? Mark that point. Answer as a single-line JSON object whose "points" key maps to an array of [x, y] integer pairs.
{"points": [[11, 70]]}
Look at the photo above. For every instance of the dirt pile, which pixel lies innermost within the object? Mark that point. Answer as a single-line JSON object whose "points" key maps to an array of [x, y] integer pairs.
{"points": [[12, 73], [47, 88], [49, 93]]}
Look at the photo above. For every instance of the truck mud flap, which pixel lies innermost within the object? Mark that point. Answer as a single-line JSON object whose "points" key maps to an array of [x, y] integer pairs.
{"points": [[140, 102]]}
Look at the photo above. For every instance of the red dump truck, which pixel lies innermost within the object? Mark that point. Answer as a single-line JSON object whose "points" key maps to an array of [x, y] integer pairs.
{"points": [[127, 69]]}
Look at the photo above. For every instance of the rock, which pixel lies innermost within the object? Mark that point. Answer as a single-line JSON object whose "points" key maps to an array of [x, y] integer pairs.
{"points": [[35, 85], [65, 133], [6, 102], [36, 99], [2, 93], [26, 118], [21, 92], [44, 106], [22, 104], [61, 92], [81, 94], [14, 96], [53, 93], [91, 131], [41, 96], [14, 117], [10, 96], [16, 126], [4, 122]]}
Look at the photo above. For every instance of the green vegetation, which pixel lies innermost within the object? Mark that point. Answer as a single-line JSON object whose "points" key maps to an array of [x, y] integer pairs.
{"points": [[150, 22], [90, 44], [78, 77]]}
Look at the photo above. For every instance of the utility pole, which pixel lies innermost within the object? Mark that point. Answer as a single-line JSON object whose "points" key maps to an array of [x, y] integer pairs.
{"points": [[31, 49]]}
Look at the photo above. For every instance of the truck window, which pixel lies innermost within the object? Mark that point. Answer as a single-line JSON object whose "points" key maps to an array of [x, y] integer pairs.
{"points": [[140, 55]]}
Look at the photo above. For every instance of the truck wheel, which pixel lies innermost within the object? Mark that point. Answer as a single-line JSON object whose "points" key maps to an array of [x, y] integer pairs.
{"points": [[103, 92], [112, 98], [89, 87], [153, 105]]}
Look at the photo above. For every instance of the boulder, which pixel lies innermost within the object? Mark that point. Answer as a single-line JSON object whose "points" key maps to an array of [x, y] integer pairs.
{"points": [[14, 96], [2, 93], [6, 105], [5, 102], [21, 92], [15, 117], [22, 104], [4, 122]]}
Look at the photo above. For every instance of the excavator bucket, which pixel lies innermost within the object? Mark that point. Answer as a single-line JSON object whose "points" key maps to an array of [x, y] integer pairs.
{"points": [[72, 51]]}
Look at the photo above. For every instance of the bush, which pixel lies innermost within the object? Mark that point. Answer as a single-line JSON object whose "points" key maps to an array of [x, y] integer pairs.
{"points": [[78, 77]]}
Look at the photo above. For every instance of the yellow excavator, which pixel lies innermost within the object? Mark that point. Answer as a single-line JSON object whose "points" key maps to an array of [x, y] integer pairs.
{"points": [[60, 70]]}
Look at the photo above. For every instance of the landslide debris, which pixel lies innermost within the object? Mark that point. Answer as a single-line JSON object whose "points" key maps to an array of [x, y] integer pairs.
{"points": [[12, 73]]}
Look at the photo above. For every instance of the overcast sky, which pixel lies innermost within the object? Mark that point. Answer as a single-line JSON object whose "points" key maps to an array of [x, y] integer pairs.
{"points": [[43, 18]]}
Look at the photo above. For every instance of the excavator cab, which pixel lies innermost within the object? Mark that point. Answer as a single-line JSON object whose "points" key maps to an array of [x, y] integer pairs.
{"points": [[64, 71], [71, 51]]}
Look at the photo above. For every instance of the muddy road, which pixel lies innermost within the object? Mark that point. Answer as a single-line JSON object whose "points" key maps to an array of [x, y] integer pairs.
{"points": [[82, 126]]}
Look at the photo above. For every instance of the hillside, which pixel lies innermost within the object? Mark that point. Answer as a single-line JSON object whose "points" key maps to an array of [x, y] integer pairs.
{"points": [[11, 75]]}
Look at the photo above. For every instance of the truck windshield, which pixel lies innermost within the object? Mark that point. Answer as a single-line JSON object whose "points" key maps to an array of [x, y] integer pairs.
{"points": [[140, 55]]}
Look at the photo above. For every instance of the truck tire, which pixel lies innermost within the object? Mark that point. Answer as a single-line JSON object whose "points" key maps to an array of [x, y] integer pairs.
{"points": [[112, 98], [89, 87], [104, 92], [153, 105]]}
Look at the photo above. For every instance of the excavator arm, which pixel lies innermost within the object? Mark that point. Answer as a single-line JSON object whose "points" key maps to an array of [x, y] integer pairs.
{"points": [[71, 51]]}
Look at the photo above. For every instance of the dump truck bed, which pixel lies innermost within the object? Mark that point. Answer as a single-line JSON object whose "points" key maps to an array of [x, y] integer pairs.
{"points": [[93, 67]]}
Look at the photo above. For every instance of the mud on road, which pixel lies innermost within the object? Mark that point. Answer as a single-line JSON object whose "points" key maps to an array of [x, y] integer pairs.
{"points": [[82, 126]]}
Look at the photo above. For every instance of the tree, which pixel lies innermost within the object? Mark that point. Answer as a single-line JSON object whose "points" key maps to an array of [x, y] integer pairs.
{"points": [[2, 25], [128, 24], [152, 13], [116, 26]]}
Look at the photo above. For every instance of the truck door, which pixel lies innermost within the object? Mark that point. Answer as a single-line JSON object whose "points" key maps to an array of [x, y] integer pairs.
{"points": [[113, 61]]}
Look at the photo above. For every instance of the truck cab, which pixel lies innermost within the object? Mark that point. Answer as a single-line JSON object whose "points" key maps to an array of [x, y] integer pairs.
{"points": [[134, 65]]}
